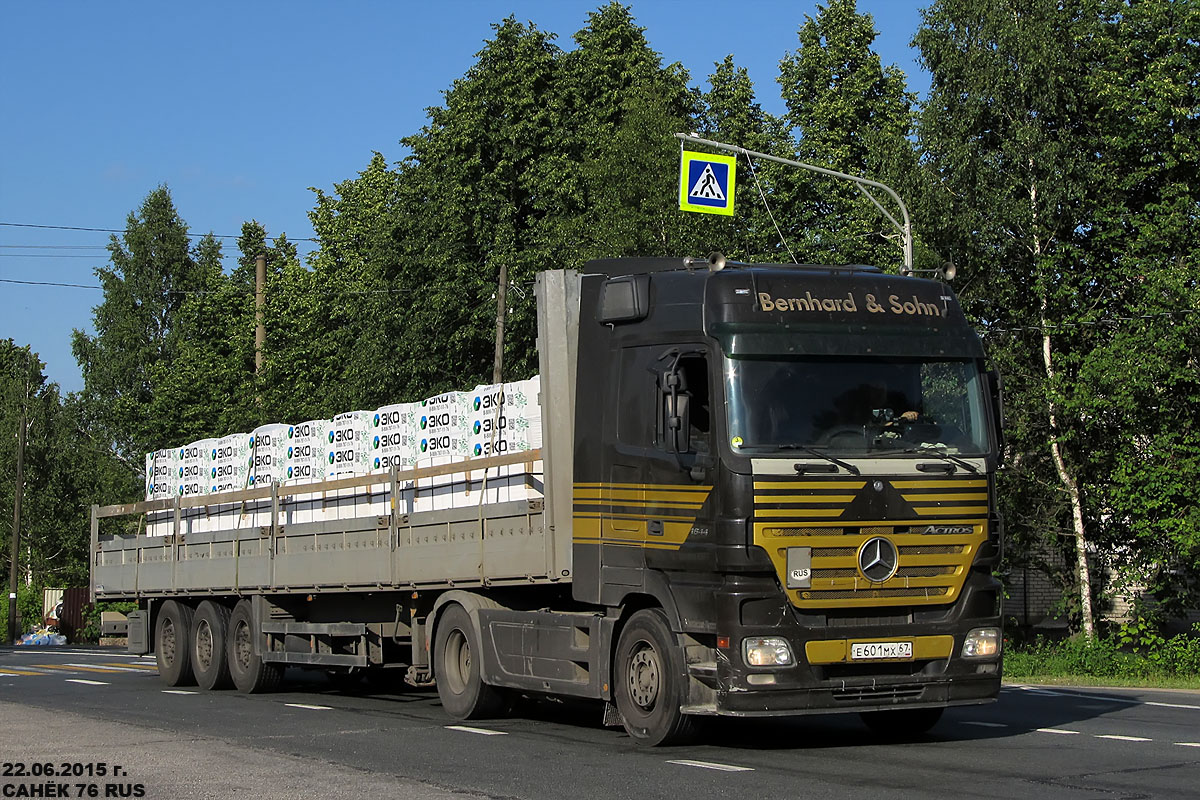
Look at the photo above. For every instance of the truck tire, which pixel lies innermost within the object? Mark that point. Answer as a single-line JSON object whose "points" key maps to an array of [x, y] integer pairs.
{"points": [[456, 668], [901, 723], [172, 643], [650, 681], [249, 672], [210, 660]]}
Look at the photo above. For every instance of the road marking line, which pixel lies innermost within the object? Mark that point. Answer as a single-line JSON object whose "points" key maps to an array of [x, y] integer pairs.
{"points": [[310, 708], [133, 667], [12, 673], [178, 691], [985, 724], [95, 654], [86, 682], [1122, 738], [1174, 705], [1058, 730], [1104, 697], [480, 731], [76, 668], [106, 667], [710, 765], [1188, 744]]}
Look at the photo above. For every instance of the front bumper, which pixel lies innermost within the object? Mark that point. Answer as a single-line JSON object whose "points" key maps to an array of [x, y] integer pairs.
{"points": [[824, 678]]}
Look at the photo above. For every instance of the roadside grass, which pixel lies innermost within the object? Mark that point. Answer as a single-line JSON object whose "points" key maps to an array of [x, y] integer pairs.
{"points": [[1120, 660]]}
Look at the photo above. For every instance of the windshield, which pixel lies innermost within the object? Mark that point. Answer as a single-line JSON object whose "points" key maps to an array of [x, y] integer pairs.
{"points": [[855, 405]]}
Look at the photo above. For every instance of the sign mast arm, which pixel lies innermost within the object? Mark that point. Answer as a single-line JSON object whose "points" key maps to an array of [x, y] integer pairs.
{"points": [[905, 227]]}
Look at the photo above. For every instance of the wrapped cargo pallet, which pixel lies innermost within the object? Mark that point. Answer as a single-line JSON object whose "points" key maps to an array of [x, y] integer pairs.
{"points": [[441, 439], [348, 456], [306, 463], [162, 467]]}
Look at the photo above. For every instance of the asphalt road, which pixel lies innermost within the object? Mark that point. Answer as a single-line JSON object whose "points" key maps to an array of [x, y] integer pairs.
{"points": [[87, 711]]}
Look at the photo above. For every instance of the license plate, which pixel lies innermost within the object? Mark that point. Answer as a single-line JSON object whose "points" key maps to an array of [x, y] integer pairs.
{"points": [[877, 651]]}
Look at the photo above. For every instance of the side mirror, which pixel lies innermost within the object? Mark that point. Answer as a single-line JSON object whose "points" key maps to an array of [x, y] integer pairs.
{"points": [[677, 422]]}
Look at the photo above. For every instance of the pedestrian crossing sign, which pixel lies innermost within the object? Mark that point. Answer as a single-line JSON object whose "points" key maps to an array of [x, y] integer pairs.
{"points": [[706, 183]]}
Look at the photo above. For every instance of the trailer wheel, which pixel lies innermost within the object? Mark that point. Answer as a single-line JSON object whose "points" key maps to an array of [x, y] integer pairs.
{"points": [[172, 647], [649, 682], [210, 661], [456, 669], [902, 722], [249, 672]]}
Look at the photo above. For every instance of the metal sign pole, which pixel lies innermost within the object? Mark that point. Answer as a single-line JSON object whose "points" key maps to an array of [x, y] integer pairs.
{"points": [[905, 227]]}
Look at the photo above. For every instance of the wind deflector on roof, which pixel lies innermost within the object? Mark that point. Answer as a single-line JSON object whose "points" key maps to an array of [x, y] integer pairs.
{"points": [[624, 299]]}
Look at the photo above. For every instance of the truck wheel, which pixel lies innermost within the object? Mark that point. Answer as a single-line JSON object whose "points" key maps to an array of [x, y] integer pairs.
{"points": [[249, 672], [649, 681], [172, 649], [456, 669], [210, 662], [901, 722]]}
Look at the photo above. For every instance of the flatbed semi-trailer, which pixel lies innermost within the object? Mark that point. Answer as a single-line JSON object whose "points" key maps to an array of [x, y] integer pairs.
{"points": [[761, 490]]}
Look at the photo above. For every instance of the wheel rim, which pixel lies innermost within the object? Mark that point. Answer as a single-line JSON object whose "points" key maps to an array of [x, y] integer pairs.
{"points": [[168, 641], [241, 645], [458, 661], [644, 676], [204, 644]]}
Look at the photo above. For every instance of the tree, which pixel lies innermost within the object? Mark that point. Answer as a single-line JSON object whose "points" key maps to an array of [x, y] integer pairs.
{"points": [[731, 115], [849, 114], [1058, 138], [1138, 371], [64, 471], [137, 326]]}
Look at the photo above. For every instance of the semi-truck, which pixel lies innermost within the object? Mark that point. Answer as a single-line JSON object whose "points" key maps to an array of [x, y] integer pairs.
{"points": [[761, 490]]}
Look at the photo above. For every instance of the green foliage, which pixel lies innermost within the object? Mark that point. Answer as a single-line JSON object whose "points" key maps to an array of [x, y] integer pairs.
{"points": [[1135, 654], [1139, 635], [138, 334], [1061, 138], [850, 114], [29, 609], [65, 470]]}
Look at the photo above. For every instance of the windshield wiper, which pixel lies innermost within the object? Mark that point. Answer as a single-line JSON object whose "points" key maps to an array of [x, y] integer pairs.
{"points": [[933, 451], [814, 452]]}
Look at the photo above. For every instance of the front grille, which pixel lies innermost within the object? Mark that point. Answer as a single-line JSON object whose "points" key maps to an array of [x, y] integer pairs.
{"points": [[904, 572], [931, 569], [930, 591], [874, 694], [938, 525]]}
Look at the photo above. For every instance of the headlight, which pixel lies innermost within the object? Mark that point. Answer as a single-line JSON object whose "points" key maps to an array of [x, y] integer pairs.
{"points": [[981, 643], [767, 651]]}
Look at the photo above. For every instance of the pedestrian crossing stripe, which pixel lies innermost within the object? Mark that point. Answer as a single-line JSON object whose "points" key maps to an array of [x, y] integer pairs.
{"points": [[706, 183]]}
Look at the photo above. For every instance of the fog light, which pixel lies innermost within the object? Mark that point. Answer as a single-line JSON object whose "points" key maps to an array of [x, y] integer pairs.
{"points": [[982, 643], [768, 651]]}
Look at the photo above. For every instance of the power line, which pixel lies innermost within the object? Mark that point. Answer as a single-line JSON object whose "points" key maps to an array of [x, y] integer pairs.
{"points": [[326, 293], [49, 283], [53, 247], [123, 230]]}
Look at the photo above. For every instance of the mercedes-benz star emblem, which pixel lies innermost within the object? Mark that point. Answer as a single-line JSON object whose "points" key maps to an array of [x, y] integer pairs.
{"points": [[878, 559]]}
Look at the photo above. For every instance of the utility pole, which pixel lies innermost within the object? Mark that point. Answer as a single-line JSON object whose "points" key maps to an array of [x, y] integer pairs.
{"points": [[260, 327], [16, 529], [501, 307]]}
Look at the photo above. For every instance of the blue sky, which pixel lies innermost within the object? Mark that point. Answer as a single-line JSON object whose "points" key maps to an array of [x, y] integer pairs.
{"points": [[241, 107]]}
